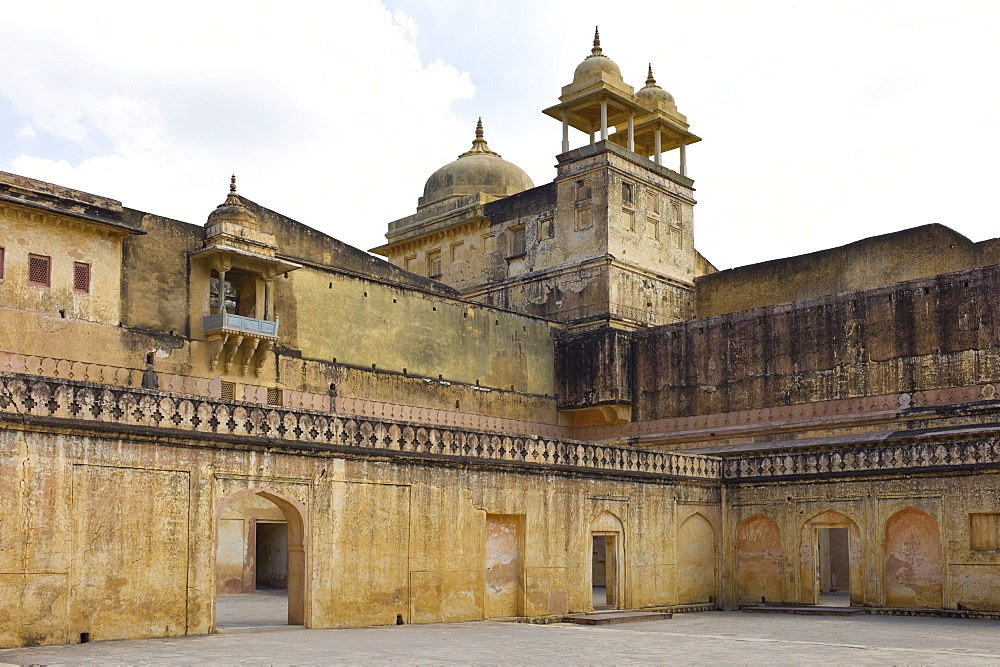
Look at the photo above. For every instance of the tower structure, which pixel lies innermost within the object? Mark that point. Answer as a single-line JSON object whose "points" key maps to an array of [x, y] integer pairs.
{"points": [[610, 242]]}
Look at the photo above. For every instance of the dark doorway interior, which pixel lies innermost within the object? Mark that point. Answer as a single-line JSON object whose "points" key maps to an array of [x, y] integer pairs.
{"points": [[834, 567], [272, 555]]}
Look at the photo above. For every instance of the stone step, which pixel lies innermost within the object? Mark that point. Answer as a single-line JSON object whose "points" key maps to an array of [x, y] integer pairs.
{"points": [[807, 610], [612, 617]]}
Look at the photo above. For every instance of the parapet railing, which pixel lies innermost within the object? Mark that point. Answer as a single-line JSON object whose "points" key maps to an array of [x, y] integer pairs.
{"points": [[34, 398], [241, 323], [974, 453]]}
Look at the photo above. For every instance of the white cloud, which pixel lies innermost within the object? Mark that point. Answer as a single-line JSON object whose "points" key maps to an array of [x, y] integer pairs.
{"points": [[322, 110], [26, 131]]}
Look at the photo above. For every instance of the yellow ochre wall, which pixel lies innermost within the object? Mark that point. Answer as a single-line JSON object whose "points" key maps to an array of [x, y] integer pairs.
{"points": [[382, 539]]}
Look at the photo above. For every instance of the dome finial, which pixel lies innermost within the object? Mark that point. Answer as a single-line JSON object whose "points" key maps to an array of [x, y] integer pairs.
{"points": [[479, 146], [650, 81], [596, 51], [232, 184]]}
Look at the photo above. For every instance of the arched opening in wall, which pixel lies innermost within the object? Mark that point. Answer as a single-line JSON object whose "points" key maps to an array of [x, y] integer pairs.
{"points": [[259, 561], [696, 582], [758, 561], [830, 567], [912, 561], [606, 561]]}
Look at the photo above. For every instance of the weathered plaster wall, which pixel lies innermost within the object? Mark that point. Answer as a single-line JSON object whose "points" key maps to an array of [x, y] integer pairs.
{"points": [[910, 541], [919, 335], [415, 534], [64, 240], [909, 254]]}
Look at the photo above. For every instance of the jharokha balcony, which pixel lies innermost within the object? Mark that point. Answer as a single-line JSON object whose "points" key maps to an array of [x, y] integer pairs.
{"points": [[233, 337]]}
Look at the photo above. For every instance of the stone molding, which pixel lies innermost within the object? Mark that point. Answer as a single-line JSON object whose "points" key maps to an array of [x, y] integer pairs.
{"points": [[83, 405]]}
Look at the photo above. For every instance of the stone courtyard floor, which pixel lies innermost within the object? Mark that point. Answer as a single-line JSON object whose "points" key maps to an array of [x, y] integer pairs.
{"points": [[706, 637]]}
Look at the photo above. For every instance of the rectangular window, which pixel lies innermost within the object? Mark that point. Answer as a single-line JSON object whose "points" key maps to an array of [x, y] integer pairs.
{"points": [[582, 190], [81, 277], [583, 219], [517, 245], [456, 251], [39, 270], [546, 228], [677, 212], [273, 396], [984, 531], [410, 263], [489, 244], [434, 264], [228, 390], [629, 220], [628, 193]]}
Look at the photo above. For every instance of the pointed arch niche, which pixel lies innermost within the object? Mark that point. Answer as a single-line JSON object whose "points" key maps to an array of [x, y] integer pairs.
{"points": [[830, 559], [912, 562], [696, 578], [294, 514], [607, 561], [758, 560]]}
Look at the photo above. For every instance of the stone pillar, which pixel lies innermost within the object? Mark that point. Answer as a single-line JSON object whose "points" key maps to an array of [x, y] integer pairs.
{"points": [[631, 132], [604, 120], [657, 148], [269, 299], [565, 142], [684, 166], [222, 292]]}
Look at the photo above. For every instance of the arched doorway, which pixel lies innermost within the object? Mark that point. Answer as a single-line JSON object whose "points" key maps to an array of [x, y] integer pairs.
{"points": [[695, 561], [758, 560], [259, 561], [912, 562], [607, 561], [830, 561]]}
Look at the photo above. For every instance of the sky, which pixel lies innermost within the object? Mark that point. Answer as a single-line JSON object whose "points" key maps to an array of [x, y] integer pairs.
{"points": [[822, 122]]}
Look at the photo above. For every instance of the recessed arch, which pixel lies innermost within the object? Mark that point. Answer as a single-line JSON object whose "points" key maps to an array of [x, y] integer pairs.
{"points": [[294, 513], [696, 575], [758, 560], [913, 573]]}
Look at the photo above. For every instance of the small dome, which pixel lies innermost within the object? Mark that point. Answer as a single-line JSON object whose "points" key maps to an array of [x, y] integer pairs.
{"points": [[477, 170], [596, 63], [232, 210], [651, 95]]}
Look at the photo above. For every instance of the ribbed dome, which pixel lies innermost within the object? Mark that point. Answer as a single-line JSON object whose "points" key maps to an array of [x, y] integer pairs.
{"points": [[478, 170], [651, 95], [232, 210], [596, 63]]}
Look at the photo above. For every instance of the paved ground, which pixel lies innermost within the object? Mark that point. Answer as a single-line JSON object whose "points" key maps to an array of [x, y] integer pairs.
{"points": [[241, 610], [707, 637]]}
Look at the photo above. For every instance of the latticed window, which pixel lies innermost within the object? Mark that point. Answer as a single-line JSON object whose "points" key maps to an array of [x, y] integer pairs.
{"points": [[228, 391], [273, 396], [81, 277], [39, 270]]}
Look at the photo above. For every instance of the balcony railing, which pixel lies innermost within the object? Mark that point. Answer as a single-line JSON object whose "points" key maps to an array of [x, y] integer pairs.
{"points": [[226, 321]]}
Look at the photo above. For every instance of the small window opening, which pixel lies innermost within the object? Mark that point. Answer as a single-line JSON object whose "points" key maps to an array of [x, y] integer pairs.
{"points": [[399, 619], [440, 376], [517, 242], [1, 263], [228, 390], [84, 637], [273, 396], [331, 285], [62, 314], [149, 357], [458, 405], [81, 277], [628, 193], [39, 270], [434, 264]]}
